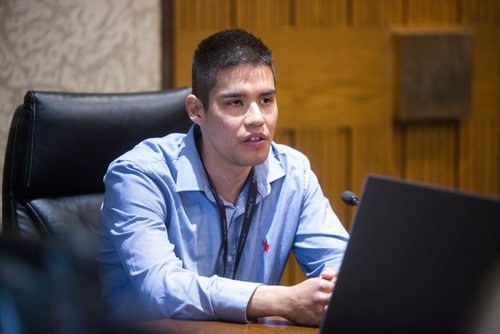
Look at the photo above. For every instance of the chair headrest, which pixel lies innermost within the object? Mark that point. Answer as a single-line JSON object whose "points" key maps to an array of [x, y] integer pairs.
{"points": [[61, 144]]}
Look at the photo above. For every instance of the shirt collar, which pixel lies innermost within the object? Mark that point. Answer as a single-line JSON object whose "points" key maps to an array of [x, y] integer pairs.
{"points": [[267, 172], [194, 178], [191, 175]]}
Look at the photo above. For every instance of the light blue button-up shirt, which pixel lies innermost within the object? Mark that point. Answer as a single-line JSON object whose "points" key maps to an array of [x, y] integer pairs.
{"points": [[160, 254]]}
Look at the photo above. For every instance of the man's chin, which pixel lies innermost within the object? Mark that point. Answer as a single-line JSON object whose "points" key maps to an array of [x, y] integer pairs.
{"points": [[258, 161]]}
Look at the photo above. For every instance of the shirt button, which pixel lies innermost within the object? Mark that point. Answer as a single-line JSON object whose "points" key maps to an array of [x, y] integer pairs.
{"points": [[229, 258]]}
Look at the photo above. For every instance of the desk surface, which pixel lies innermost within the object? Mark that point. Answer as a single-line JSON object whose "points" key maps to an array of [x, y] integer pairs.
{"points": [[263, 326]]}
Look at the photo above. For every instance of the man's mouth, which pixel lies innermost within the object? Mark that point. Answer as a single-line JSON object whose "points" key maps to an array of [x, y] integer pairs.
{"points": [[253, 139]]}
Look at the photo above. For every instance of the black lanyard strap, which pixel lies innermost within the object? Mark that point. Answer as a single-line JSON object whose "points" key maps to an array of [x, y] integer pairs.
{"points": [[223, 222], [249, 210], [247, 220]]}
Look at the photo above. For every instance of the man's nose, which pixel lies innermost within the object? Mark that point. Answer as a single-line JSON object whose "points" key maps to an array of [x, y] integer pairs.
{"points": [[254, 115]]}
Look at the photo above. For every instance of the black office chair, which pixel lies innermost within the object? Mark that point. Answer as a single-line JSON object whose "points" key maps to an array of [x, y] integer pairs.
{"points": [[58, 150]]}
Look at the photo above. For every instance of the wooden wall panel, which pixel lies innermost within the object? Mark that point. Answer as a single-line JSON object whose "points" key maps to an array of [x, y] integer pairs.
{"points": [[341, 78], [327, 150], [480, 12], [480, 157], [486, 74], [285, 136], [479, 165], [432, 12], [321, 13], [376, 13], [195, 15], [430, 153], [184, 48], [264, 13], [373, 151]]}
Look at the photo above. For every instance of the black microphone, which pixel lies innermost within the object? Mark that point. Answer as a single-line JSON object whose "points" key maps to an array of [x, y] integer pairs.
{"points": [[350, 198]]}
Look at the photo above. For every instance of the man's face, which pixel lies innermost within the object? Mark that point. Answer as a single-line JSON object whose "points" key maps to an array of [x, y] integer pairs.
{"points": [[239, 125]]}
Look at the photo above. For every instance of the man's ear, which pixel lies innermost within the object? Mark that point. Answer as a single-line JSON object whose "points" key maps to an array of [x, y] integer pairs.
{"points": [[194, 108]]}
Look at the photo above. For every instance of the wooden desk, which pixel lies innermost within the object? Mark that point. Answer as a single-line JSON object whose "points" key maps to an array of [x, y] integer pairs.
{"points": [[263, 326]]}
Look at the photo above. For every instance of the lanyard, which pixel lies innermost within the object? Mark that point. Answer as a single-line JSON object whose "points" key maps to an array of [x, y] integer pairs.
{"points": [[247, 220]]}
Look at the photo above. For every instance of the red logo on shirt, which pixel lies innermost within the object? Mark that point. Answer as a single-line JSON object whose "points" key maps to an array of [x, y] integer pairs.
{"points": [[265, 246]]}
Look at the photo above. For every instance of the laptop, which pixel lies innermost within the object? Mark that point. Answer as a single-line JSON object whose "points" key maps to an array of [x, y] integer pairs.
{"points": [[419, 260]]}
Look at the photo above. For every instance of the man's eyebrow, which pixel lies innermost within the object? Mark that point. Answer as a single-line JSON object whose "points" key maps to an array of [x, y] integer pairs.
{"points": [[268, 92], [232, 95]]}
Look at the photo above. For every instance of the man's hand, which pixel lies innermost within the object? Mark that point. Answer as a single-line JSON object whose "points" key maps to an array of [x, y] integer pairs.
{"points": [[330, 275], [308, 301], [304, 303]]}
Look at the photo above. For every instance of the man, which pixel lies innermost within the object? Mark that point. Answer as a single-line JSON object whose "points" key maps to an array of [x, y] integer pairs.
{"points": [[200, 226]]}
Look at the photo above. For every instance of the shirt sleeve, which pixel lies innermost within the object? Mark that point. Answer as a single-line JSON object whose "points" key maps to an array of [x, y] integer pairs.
{"points": [[134, 213], [321, 238]]}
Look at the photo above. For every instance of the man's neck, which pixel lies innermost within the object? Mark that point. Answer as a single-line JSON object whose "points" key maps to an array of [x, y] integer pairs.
{"points": [[228, 184], [228, 180]]}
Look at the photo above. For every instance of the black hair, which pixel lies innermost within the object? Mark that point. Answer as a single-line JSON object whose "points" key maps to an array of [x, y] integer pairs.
{"points": [[222, 50]]}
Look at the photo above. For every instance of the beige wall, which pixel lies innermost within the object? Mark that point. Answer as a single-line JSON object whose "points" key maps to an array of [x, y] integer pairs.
{"points": [[76, 46]]}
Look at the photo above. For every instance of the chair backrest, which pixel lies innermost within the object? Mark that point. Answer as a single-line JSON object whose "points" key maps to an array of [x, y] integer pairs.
{"points": [[58, 150]]}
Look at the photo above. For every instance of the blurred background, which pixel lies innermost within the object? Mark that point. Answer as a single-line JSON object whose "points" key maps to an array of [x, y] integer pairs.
{"points": [[406, 88]]}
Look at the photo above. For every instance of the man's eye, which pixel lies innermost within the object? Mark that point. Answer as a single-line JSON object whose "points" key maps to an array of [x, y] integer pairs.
{"points": [[266, 100], [235, 103]]}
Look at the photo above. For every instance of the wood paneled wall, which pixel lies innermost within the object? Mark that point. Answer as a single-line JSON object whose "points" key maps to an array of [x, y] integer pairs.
{"points": [[336, 87]]}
